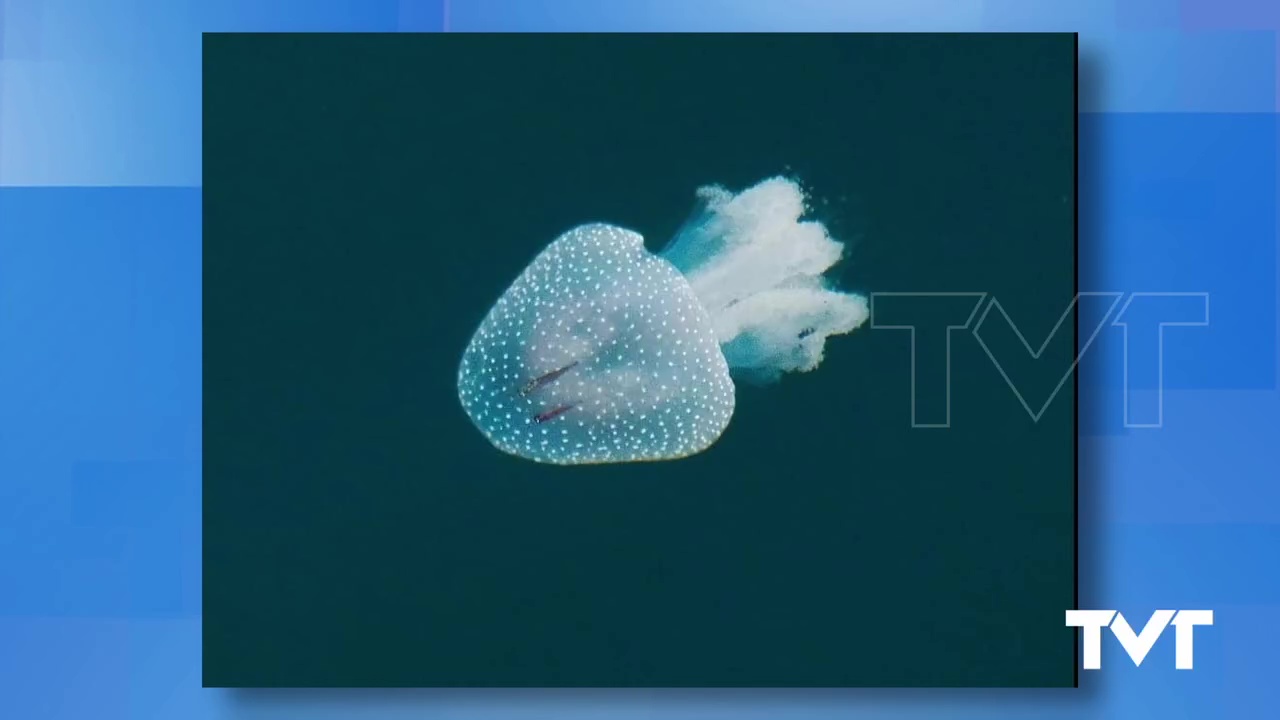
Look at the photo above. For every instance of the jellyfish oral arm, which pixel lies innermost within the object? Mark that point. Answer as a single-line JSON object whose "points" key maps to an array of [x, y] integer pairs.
{"points": [[757, 269], [785, 329]]}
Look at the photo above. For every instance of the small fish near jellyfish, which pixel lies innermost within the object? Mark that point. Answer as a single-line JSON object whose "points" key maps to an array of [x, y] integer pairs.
{"points": [[603, 352]]}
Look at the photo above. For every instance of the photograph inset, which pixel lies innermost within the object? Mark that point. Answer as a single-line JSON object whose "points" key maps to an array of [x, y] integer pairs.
{"points": [[638, 360]]}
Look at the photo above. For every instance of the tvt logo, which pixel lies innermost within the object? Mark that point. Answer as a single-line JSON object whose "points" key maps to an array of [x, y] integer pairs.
{"points": [[1137, 645], [1036, 373]]}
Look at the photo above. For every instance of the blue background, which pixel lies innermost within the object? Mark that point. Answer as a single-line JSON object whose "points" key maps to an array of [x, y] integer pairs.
{"points": [[100, 351]]}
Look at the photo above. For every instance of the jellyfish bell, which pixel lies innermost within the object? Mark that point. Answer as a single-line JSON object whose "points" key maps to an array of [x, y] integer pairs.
{"points": [[599, 352], [603, 352]]}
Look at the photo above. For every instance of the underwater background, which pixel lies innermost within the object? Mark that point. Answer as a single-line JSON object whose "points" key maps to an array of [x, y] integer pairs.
{"points": [[366, 200]]}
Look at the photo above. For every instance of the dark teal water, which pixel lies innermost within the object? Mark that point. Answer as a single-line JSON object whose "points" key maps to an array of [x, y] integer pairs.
{"points": [[367, 198]]}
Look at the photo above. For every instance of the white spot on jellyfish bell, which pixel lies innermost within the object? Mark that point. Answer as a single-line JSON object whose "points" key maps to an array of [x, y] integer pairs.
{"points": [[599, 352], [603, 352]]}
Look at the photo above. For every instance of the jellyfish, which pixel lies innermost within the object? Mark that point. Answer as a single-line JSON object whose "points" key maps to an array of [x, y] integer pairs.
{"points": [[603, 352]]}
